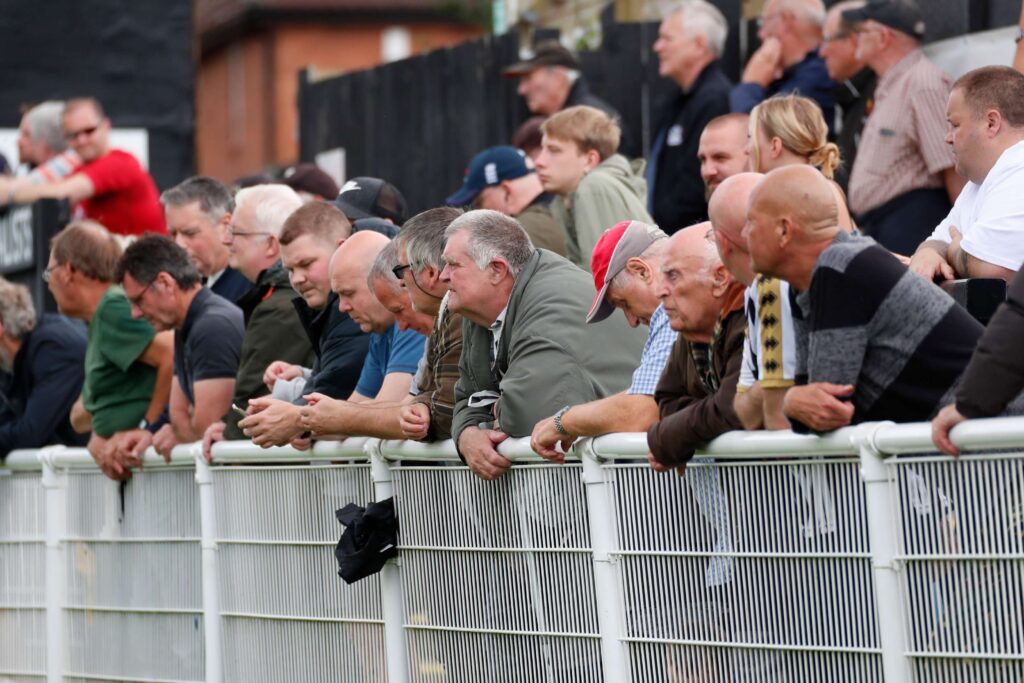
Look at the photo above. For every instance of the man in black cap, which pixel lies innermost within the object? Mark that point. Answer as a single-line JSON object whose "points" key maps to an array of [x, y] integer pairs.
{"points": [[311, 182], [903, 182], [501, 179], [550, 81], [372, 204]]}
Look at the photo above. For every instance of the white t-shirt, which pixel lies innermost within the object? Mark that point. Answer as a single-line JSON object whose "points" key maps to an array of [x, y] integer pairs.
{"points": [[990, 216], [769, 354]]}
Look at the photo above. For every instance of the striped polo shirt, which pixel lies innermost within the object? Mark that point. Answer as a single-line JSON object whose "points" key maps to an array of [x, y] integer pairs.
{"points": [[903, 146]]}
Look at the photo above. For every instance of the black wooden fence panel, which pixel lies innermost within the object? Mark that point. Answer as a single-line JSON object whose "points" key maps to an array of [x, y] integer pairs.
{"points": [[417, 122]]}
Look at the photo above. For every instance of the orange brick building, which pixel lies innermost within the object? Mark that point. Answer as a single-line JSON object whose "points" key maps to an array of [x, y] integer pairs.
{"points": [[250, 54]]}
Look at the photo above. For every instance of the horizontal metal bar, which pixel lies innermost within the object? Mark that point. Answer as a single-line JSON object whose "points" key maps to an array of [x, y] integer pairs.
{"points": [[318, 620], [999, 432], [22, 608], [906, 460], [22, 541], [246, 451], [500, 632], [127, 679], [241, 541], [471, 549], [960, 557], [130, 540], [354, 465], [758, 646], [996, 656], [164, 611], [765, 555]]}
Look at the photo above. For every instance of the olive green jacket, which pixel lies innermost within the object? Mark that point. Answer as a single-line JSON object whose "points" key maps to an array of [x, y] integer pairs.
{"points": [[548, 355]]}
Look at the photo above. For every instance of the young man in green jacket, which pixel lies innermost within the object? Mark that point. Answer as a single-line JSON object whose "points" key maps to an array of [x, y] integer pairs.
{"points": [[595, 187]]}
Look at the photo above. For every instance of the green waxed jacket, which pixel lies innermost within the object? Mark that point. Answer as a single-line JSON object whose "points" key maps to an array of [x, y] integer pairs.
{"points": [[548, 356], [613, 192], [272, 332]]}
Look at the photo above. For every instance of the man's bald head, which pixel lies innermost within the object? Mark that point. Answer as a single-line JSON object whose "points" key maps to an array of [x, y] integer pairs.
{"points": [[358, 252], [694, 282], [800, 191], [728, 206], [349, 266], [791, 209], [728, 211]]}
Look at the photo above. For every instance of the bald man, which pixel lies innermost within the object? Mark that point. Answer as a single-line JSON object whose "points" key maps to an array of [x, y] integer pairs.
{"points": [[390, 363], [769, 355], [874, 342], [704, 304]]}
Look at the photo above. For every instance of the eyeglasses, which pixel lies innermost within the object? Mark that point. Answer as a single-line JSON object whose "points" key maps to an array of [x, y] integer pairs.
{"points": [[839, 36], [400, 269], [245, 233], [761, 21], [73, 135], [137, 299], [48, 273]]}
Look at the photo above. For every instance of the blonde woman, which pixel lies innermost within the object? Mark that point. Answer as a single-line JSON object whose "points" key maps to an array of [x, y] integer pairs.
{"points": [[790, 129]]}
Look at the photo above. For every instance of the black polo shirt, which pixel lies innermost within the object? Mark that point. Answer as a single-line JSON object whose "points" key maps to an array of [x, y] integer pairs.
{"points": [[208, 345]]}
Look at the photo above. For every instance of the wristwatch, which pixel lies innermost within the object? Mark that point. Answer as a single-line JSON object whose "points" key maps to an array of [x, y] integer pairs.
{"points": [[557, 419], [1020, 34]]}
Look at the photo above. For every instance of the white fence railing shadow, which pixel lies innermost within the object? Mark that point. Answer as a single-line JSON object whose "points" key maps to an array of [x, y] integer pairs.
{"points": [[860, 555]]}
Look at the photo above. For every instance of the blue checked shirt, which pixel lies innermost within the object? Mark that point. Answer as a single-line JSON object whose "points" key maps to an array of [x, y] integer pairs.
{"points": [[659, 343]]}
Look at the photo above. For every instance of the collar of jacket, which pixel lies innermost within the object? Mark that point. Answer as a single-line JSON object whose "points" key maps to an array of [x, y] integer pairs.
{"points": [[512, 308]]}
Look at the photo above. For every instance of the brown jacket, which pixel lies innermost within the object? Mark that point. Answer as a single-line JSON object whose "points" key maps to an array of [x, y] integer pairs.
{"points": [[995, 375], [691, 413]]}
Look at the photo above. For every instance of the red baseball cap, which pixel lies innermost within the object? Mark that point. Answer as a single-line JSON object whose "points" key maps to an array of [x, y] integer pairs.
{"points": [[617, 245]]}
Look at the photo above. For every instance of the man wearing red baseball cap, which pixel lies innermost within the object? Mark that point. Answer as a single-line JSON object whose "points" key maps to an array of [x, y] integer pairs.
{"points": [[626, 263]]}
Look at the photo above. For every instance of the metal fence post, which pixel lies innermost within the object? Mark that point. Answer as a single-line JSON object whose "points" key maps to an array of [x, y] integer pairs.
{"points": [[56, 581], [610, 615], [390, 576], [884, 543], [211, 578]]}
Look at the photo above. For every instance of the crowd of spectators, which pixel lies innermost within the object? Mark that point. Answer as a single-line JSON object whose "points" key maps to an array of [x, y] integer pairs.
{"points": [[755, 293]]}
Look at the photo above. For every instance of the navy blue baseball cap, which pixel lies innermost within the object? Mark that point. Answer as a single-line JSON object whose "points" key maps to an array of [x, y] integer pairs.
{"points": [[490, 167]]}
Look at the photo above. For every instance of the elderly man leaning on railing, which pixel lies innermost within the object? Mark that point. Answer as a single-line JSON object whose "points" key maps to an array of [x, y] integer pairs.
{"points": [[705, 305], [527, 350], [626, 263], [874, 340]]}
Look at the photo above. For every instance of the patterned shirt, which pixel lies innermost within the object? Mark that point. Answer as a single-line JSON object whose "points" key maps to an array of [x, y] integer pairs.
{"points": [[769, 353], [441, 372], [657, 348], [903, 147]]}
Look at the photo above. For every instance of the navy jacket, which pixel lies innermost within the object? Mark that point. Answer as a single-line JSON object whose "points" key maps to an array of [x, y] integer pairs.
{"points": [[339, 344], [231, 285], [808, 78], [675, 191], [48, 373]]}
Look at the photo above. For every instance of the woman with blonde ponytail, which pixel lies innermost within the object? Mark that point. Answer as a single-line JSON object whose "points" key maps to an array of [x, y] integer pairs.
{"points": [[790, 129]]}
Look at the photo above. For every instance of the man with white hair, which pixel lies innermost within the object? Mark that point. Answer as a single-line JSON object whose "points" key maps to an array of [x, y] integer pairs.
{"points": [[273, 331], [45, 357], [690, 41], [705, 305], [527, 351], [788, 59], [42, 147]]}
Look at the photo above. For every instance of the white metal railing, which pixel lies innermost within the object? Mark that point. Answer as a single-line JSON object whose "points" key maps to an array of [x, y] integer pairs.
{"points": [[860, 555]]}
